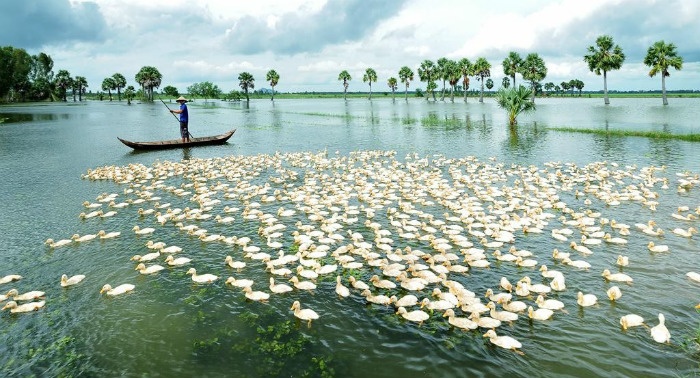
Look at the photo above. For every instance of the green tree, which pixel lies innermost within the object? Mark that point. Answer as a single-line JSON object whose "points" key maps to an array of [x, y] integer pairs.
{"points": [[63, 81], [345, 77], [80, 83], [514, 101], [443, 73], [565, 86], [129, 93], [170, 91], [273, 78], [660, 56], [427, 73], [207, 89], [406, 76], [370, 76], [606, 57], [195, 90], [512, 65], [246, 82], [505, 83], [466, 68], [119, 83], [149, 77], [453, 76], [578, 84], [549, 86], [489, 84], [109, 85], [482, 70], [15, 66], [393, 84], [41, 76], [533, 70]]}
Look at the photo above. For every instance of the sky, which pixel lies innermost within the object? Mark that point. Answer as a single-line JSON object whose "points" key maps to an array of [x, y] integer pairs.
{"points": [[309, 42]]}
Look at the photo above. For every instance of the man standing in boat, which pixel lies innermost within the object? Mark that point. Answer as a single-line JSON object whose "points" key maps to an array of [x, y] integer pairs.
{"points": [[184, 118]]}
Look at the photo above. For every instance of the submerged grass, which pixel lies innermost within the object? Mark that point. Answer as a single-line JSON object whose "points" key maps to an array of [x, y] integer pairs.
{"points": [[627, 133]]}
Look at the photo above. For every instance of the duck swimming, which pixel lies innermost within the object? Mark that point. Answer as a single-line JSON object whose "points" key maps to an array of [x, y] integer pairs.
{"points": [[26, 307], [202, 278], [505, 342], [65, 281], [304, 314], [659, 332], [121, 289]]}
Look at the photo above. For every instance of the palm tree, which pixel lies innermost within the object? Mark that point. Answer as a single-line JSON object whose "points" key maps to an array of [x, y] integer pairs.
{"points": [[606, 57], [443, 72], [578, 84], [489, 84], [406, 75], [273, 78], [505, 83], [514, 101], [466, 69], [426, 72], [108, 85], [63, 82], [533, 70], [119, 82], [371, 76], [453, 76], [148, 77], [565, 86], [246, 82], [129, 94], [482, 69], [80, 83], [345, 77], [512, 64], [393, 84], [549, 87], [660, 57]]}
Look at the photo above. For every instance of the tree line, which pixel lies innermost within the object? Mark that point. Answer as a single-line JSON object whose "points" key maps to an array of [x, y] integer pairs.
{"points": [[25, 77]]}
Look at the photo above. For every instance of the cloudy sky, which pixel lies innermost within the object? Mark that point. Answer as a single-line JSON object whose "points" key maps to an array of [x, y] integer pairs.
{"points": [[308, 42]]}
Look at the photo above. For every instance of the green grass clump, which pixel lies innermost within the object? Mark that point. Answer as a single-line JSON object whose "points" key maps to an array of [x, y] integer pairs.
{"points": [[628, 133]]}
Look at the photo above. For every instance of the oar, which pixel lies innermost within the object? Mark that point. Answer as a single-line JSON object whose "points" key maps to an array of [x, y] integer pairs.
{"points": [[166, 106]]}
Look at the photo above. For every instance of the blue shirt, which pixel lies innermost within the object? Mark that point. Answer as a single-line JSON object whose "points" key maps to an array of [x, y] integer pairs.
{"points": [[183, 116]]}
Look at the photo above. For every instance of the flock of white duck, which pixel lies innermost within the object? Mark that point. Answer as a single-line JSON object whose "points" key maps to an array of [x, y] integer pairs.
{"points": [[404, 234]]}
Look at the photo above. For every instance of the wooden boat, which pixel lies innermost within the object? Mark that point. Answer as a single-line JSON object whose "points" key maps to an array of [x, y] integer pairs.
{"points": [[177, 143]]}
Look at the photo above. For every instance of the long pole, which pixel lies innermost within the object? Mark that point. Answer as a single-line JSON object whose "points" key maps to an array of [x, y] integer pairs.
{"points": [[166, 106]]}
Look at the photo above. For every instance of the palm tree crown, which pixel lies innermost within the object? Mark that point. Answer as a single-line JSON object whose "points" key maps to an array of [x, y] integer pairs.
{"points": [[345, 77], [533, 70], [482, 69], [512, 64], [247, 82]]}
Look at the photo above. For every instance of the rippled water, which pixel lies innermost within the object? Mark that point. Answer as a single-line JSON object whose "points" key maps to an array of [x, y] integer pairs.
{"points": [[171, 327]]}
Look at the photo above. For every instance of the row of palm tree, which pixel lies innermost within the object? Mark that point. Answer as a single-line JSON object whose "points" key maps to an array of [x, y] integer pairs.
{"points": [[601, 59]]}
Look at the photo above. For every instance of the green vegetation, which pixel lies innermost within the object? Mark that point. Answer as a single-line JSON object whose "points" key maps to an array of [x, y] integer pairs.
{"points": [[514, 101], [628, 133], [345, 77], [149, 77], [273, 78]]}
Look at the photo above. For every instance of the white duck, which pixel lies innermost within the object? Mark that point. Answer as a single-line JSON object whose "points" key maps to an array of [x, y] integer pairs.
{"points": [[242, 283], [304, 314], [258, 296], [659, 332], [505, 342], [26, 307], [170, 260], [539, 314], [341, 289], [28, 296], [617, 277], [614, 293], [121, 289], [418, 316], [143, 231], [459, 322], [279, 288], [171, 249], [586, 300], [549, 304], [657, 248], [56, 244], [631, 320], [65, 281], [143, 269], [9, 278], [694, 276], [202, 278]]}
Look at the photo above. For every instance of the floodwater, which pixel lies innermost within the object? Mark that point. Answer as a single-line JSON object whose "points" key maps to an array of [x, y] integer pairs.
{"points": [[169, 326]]}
